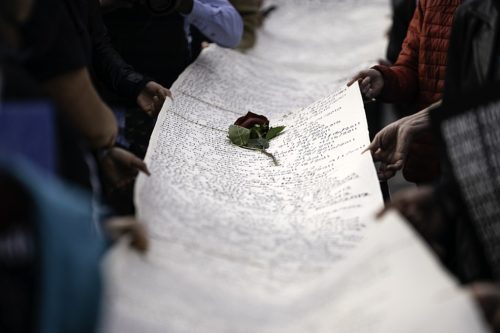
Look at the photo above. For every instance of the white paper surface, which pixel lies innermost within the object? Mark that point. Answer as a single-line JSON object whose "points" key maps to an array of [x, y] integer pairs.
{"points": [[241, 245], [389, 284]]}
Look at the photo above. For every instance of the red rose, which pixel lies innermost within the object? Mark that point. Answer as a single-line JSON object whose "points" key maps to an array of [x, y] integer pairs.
{"points": [[251, 119]]}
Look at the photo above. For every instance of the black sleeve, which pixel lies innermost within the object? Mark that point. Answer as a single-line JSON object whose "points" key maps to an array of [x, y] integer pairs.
{"points": [[109, 66], [52, 44]]}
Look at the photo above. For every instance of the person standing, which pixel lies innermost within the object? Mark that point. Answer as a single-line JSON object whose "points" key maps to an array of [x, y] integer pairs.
{"points": [[417, 78]]}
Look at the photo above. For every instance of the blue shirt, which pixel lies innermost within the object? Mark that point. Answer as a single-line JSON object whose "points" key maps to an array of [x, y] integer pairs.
{"points": [[217, 20]]}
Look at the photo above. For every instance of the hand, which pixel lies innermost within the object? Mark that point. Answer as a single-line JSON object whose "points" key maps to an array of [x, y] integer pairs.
{"points": [[371, 82], [488, 297], [419, 207], [120, 226], [120, 167], [391, 145], [151, 98]]}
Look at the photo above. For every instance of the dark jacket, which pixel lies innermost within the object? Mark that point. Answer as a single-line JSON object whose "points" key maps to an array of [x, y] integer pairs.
{"points": [[473, 56], [108, 69], [473, 63], [64, 36], [154, 45]]}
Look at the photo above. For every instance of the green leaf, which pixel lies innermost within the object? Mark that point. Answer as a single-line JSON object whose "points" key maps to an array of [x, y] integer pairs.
{"points": [[239, 135], [255, 132], [259, 143], [274, 132]]}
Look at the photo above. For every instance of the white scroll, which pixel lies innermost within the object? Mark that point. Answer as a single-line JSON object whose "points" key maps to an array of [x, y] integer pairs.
{"points": [[242, 245]]}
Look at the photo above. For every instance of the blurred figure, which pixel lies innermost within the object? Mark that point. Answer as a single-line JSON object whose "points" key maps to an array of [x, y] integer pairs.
{"points": [[50, 277], [54, 55], [49, 256], [65, 49], [417, 77], [253, 16]]}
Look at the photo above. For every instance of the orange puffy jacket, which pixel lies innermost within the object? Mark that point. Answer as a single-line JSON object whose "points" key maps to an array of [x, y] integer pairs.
{"points": [[418, 76]]}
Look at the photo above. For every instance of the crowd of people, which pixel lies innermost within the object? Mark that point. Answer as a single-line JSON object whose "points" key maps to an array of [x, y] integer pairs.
{"points": [[103, 68]]}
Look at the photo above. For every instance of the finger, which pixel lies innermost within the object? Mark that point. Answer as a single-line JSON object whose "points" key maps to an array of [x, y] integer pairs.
{"points": [[398, 165], [384, 174], [160, 93], [139, 241], [365, 85], [157, 103], [366, 81], [387, 207], [388, 174], [370, 147], [149, 109], [375, 144], [355, 78], [380, 155], [364, 92], [117, 227], [166, 93], [369, 93], [351, 82], [140, 165]]}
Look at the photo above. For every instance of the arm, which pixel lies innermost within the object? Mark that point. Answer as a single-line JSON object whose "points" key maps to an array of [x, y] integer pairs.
{"points": [[117, 74], [401, 80], [75, 96], [57, 60], [217, 20], [108, 64]]}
